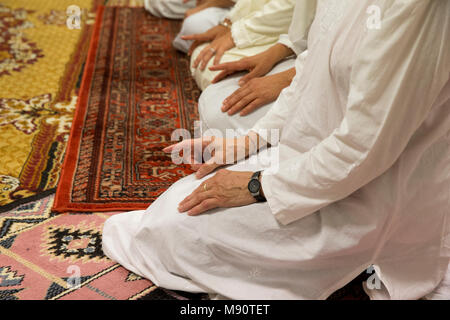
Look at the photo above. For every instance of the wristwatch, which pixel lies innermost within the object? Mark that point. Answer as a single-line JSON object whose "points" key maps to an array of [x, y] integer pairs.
{"points": [[254, 186]]}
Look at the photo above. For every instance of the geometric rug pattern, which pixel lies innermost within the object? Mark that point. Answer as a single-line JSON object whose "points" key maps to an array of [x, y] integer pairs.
{"points": [[136, 90], [44, 255], [52, 257], [40, 62], [58, 256]]}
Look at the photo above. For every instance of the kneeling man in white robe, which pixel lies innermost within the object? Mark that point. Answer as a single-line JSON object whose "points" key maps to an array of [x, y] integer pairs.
{"points": [[362, 178]]}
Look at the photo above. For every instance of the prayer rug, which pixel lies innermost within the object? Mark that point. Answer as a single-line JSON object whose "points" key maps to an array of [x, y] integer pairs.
{"points": [[44, 256], [40, 62], [136, 91], [47, 256]]}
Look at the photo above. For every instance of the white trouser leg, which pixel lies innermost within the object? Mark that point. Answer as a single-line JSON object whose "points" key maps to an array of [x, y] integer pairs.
{"points": [[211, 100], [198, 23], [172, 9], [238, 253]]}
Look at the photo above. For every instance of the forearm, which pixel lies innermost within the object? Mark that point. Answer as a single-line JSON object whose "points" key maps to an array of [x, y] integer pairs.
{"points": [[275, 54], [279, 52]]}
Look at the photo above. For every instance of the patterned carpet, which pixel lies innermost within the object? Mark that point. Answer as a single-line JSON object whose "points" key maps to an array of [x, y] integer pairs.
{"points": [[135, 92], [40, 60], [42, 254]]}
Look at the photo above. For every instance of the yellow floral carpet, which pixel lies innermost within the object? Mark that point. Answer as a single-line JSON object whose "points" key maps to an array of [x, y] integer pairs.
{"points": [[41, 59]]}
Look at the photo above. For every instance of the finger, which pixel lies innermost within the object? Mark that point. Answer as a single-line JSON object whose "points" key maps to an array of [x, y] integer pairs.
{"points": [[241, 104], [195, 167], [235, 66], [194, 46], [207, 56], [252, 106], [199, 37], [234, 98], [194, 201], [204, 206], [206, 169], [186, 143], [218, 56], [195, 193], [221, 76], [170, 148], [192, 149], [249, 76], [178, 152], [199, 58]]}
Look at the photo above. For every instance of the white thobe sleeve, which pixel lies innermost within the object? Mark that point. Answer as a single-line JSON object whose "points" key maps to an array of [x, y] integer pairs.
{"points": [[297, 38], [399, 71], [275, 118], [261, 26]]}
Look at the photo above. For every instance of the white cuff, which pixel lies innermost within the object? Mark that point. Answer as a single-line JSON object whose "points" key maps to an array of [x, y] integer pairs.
{"points": [[239, 34]]}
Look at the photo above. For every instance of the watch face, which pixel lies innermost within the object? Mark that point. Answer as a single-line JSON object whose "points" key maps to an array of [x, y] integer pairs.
{"points": [[254, 186]]}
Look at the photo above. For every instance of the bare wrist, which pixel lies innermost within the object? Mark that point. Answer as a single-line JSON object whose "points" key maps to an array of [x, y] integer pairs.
{"points": [[276, 53]]}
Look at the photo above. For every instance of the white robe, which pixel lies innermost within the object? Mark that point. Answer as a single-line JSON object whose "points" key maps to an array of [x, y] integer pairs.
{"points": [[198, 23], [211, 99], [363, 178], [256, 26], [172, 9]]}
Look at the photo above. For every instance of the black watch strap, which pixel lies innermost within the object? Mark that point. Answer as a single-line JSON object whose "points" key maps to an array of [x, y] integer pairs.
{"points": [[257, 195]]}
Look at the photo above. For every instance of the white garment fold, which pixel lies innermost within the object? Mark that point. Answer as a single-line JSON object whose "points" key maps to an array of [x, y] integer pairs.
{"points": [[257, 25], [172, 9], [297, 38], [198, 23], [211, 101], [363, 177], [259, 22]]}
